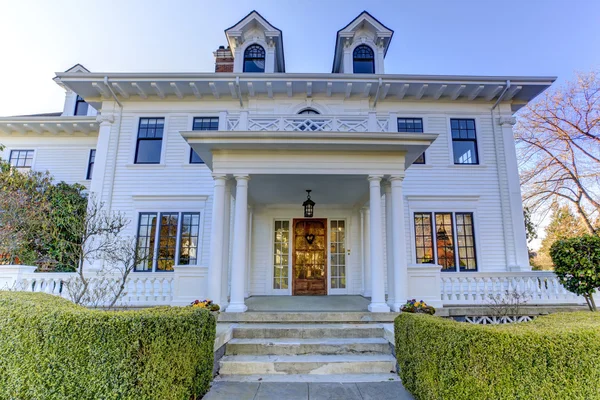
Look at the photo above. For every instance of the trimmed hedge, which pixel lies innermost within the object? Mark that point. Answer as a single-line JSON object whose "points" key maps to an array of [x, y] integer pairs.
{"points": [[51, 348], [552, 357]]}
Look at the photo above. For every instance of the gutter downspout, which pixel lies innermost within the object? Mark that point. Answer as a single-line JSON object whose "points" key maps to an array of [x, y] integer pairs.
{"points": [[497, 152], [114, 167], [377, 94]]}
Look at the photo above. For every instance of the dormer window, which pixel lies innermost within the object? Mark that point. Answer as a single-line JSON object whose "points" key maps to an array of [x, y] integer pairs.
{"points": [[81, 107], [254, 59], [364, 60]]}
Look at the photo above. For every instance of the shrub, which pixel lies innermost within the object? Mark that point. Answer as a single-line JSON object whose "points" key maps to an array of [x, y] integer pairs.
{"points": [[552, 357], [577, 264], [51, 349]]}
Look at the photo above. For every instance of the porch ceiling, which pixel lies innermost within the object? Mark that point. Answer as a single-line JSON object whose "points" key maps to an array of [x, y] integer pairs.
{"points": [[291, 189]]}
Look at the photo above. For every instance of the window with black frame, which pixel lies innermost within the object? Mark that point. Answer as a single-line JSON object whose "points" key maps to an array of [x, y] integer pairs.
{"points": [[412, 125], [363, 60], [21, 158], [81, 107], [254, 59], [446, 239], [202, 124], [149, 140], [91, 161], [464, 141]]}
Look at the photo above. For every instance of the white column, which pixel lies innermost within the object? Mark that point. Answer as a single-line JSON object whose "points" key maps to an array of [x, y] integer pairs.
{"points": [[398, 244], [101, 160], [226, 247], [366, 252], [240, 242], [389, 248], [215, 269], [377, 284]]}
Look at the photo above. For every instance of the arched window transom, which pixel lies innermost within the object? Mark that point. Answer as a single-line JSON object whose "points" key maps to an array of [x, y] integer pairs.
{"points": [[363, 60], [309, 111], [254, 59]]}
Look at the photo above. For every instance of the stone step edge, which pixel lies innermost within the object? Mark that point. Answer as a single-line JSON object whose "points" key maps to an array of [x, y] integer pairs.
{"points": [[304, 358], [310, 378], [308, 341]]}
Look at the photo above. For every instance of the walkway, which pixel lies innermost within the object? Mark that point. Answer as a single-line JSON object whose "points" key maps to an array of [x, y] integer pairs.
{"points": [[307, 303], [307, 391]]}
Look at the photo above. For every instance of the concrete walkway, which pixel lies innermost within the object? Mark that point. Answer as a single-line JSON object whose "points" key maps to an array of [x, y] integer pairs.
{"points": [[307, 391]]}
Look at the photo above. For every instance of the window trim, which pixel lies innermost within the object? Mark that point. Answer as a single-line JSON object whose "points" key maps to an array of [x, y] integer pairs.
{"points": [[21, 149], [136, 139], [88, 176], [158, 211], [477, 140], [453, 211]]}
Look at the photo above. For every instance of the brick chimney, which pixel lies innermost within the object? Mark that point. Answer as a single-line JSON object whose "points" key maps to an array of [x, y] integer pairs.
{"points": [[223, 59]]}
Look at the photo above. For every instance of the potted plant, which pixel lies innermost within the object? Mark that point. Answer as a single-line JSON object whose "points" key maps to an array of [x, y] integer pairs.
{"points": [[206, 304], [419, 307]]}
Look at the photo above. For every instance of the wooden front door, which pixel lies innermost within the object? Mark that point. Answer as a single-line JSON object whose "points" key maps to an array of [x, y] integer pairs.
{"points": [[309, 258]]}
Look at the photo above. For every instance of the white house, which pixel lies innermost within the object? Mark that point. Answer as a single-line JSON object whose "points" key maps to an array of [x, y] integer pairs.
{"points": [[414, 178]]}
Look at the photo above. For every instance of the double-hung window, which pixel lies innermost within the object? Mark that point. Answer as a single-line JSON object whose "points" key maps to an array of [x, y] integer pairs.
{"points": [[91, 161], [149, 140], [166, 239], [464, 141], [202, 124], [446, 239], [412, 125], [21, 158]]}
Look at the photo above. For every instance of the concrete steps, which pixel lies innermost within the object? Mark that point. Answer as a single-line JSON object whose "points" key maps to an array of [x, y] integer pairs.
{"points": [[307, 364], [301, 331], [292, 346], [358, 317], [304, 352]]}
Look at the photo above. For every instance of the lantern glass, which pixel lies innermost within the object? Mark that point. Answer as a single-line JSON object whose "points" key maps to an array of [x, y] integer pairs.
{"points": [[309, 206]]}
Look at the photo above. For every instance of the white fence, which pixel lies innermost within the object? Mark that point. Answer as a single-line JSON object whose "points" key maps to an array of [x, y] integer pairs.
{"points": [[142, 289], [539, 287]]}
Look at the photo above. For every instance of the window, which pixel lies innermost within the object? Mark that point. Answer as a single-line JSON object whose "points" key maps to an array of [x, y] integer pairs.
{"points": [[254, 59], [446, 239], [412, 125], [81, 107], [281, 252], [464, 141], [91, 161], [363, 60], [203, 124], [21, 158], [338, 254], [309, 111], [149, 140], [167, 239]]}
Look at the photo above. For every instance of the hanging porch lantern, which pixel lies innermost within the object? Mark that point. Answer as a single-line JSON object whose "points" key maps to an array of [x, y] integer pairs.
{"points": [[309, 206]]}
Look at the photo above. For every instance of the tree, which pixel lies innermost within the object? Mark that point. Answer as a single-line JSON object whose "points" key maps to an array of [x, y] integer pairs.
{"points": [[564, 224], [558, 140], [577, 264]]}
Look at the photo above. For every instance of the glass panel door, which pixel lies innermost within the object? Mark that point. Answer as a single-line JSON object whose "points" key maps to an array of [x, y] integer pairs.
{"points": [[338, 254]]}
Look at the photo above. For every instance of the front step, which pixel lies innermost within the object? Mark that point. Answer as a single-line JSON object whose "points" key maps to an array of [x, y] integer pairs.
{"points": [[307, 364], [312, 378], [319, 317], [319, 331], [292, 346]]}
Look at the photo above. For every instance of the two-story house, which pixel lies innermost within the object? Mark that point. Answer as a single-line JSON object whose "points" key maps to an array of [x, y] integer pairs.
{"points": [[252, 181]]}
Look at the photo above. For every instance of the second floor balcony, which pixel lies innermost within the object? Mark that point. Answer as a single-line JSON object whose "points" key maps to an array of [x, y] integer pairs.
{"points": [[309, 122]]}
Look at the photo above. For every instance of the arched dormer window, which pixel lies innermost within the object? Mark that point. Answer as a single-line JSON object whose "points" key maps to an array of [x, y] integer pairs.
{"points": [[309, 111], [363, 60], [254, 59]]}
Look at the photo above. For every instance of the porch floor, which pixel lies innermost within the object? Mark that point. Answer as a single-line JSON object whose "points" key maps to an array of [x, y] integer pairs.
{"points": [[307, 303]]}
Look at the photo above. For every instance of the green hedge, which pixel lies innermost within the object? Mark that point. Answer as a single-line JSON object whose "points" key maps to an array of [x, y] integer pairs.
{"points": [[553, 357], [51, 348]]}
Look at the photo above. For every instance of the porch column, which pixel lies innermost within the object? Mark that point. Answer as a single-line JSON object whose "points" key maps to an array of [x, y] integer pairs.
{"points": [[377, 276], [398, 244], [366, 252], [389, 247], [215, 270], [240, 242]]}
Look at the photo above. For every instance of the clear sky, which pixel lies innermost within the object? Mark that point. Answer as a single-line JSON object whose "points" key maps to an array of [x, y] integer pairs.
{"points": [[499, 37]]}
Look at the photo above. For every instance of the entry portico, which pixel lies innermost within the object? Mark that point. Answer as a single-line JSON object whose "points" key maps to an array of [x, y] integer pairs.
{"points": [[348, 172]]}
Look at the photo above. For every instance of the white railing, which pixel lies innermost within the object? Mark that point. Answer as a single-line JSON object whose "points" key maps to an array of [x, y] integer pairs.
{"points": [[538, 287], [142, 289], [308, 123]]}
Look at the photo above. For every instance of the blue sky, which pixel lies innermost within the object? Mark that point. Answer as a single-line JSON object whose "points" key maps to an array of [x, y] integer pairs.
{"points": [[502, 37]]}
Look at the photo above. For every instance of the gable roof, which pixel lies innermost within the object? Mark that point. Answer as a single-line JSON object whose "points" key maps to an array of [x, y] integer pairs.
{"points": [[348, 31]]}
